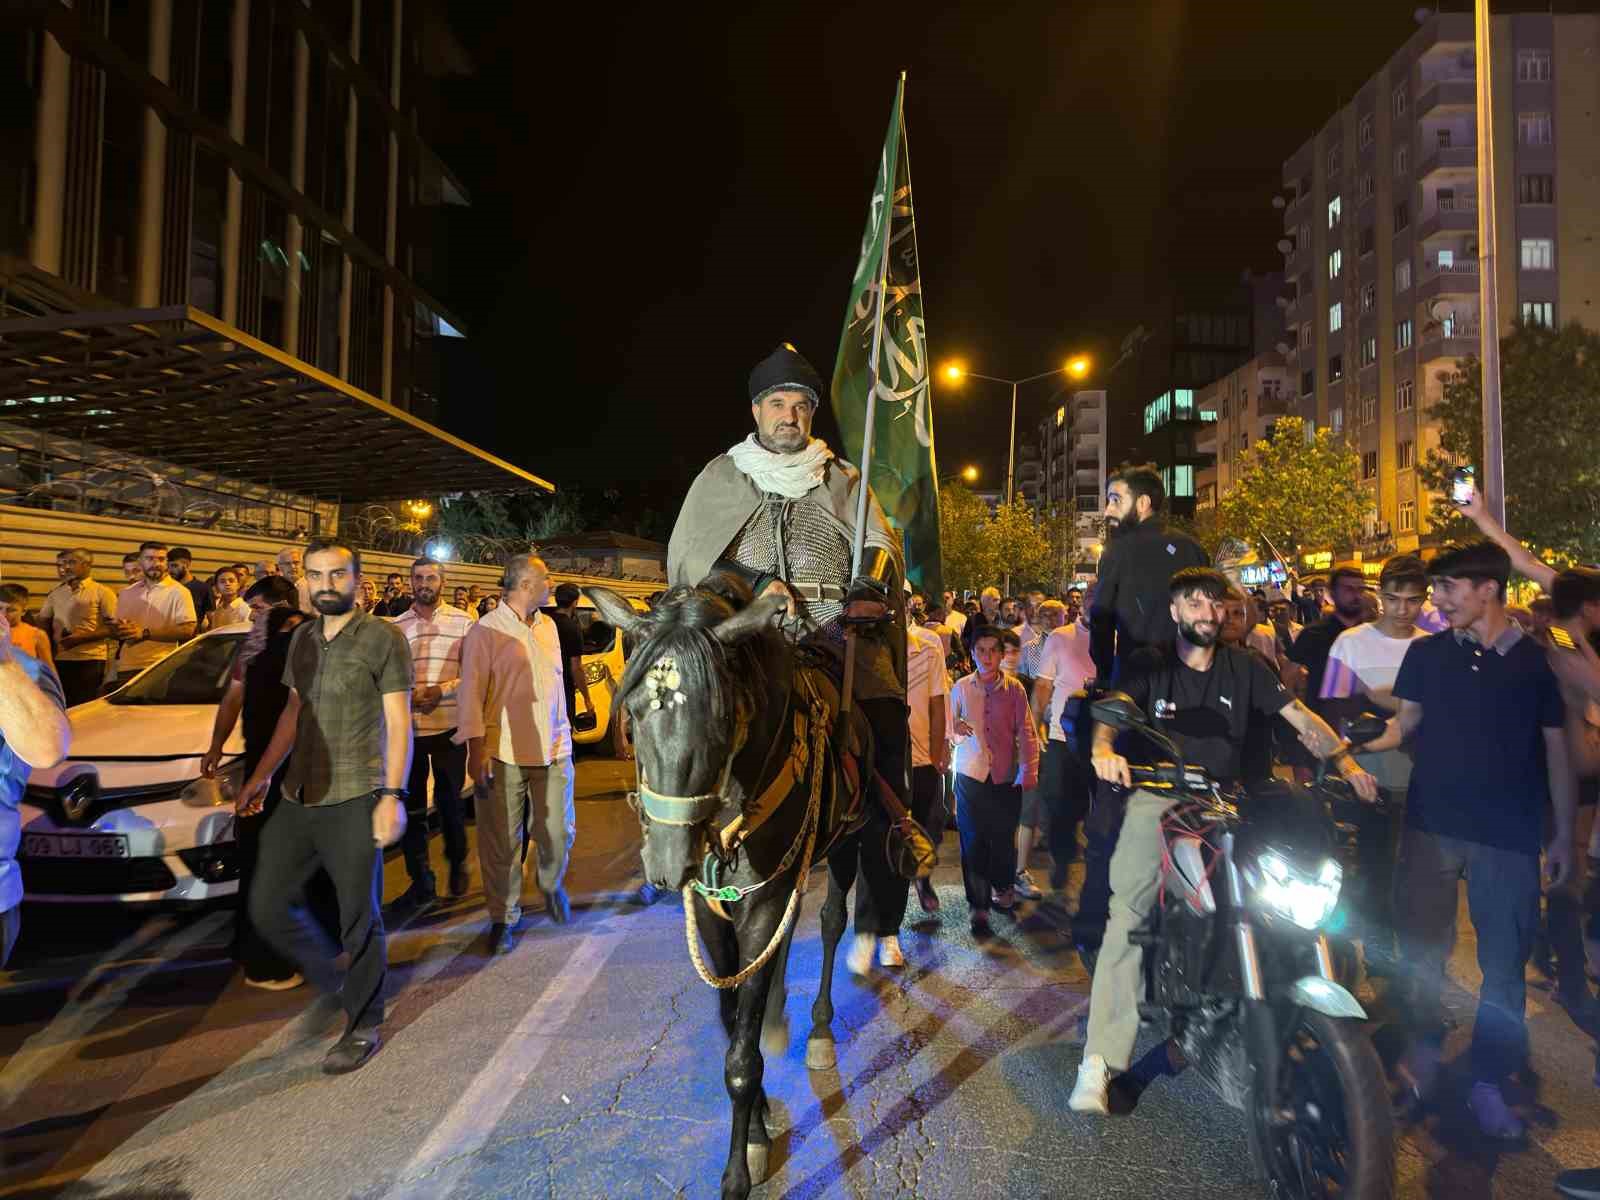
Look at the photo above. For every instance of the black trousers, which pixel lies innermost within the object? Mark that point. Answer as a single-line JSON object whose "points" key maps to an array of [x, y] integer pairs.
{"points": [[881, 891], [338, 838], [81, 680], [250, 950], [1067, 783], [987, 815], [927, 801], [1101, 829], [448, 762]]}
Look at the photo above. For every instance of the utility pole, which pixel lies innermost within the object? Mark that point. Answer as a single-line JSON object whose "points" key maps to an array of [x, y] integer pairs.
{"points": [[1493, 483]]}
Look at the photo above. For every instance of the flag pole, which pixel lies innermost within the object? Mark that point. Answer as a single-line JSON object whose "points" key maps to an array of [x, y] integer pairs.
{"points": [[1493, 484], [859, 550]]}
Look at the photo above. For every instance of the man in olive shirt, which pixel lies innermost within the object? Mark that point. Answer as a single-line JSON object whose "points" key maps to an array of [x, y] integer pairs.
{"points": [[348, 719], [78, 613]]}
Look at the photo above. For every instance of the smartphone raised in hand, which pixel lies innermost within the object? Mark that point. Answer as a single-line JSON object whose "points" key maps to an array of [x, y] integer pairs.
{"points": [[1463, 484]]}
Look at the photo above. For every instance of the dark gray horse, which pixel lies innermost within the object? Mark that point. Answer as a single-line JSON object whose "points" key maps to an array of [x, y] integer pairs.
{"points": [[737, 783]]}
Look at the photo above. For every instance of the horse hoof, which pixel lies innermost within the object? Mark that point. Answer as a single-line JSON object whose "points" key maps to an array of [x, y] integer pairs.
{"points": [[755, 1158], [820, 1055], [775, 1039]]}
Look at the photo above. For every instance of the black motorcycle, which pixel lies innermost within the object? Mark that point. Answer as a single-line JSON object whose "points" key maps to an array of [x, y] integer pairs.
{"points": [[1238, 972]]}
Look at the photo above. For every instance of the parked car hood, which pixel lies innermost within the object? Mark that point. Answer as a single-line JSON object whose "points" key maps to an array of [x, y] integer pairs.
{"points": [[115, 734]]}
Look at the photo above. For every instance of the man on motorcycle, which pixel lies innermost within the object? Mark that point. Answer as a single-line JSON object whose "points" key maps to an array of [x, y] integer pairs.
{"points": [[1202, 695]]}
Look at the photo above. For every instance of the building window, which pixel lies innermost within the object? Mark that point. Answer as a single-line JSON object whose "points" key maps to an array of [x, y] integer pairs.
{"points": [[1369, 297], [1397, 101], [1539, 312], [1333, 213], [1336, 420], [1536, 189], [1303, 242], [1405, 455], [1537, 254], [1305, 336], [1402, 275], [1364, 187], [1367, 241], [1369, 409], [1533, 66], [1369, 465], [1402, 160], [1405, 396], [1402, 216], [1336, 263], [1402, 334], [1308, 382], [1335, 317], [1333, 161], [1335, 368], [1408, 516], [1369, 350], [1533, 128], [1364, 131]]}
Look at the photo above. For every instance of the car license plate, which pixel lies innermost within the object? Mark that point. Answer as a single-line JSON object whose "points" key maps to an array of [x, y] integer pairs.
{"points": [[74, 845]]}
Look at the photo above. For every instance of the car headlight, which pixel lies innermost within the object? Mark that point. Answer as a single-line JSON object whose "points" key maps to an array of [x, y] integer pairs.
{"points": [[1281, 889], [214, 793]]}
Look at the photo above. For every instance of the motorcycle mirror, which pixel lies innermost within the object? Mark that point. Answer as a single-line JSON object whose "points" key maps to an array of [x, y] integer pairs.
{"points": [[1117, 710], [1365, 728]]}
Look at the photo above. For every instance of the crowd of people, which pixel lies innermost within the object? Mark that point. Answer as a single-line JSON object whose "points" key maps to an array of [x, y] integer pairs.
{"points": [[354, 709]]}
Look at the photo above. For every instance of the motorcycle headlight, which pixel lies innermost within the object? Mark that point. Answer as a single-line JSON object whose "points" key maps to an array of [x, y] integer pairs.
{"points": [[1283, 890]]}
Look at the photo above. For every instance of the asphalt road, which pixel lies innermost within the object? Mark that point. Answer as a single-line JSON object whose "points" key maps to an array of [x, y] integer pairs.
{"points": [[589, 1064]]}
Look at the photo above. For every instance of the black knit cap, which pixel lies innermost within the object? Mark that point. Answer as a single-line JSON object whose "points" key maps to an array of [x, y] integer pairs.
{"points": [[784, 370]]}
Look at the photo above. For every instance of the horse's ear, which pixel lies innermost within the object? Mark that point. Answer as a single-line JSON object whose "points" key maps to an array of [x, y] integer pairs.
{"points": [[615, 609], [749, 621]]}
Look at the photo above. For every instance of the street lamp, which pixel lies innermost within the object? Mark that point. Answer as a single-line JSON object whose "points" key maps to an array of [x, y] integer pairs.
{"points": [[967, 474], [1076, 367]]}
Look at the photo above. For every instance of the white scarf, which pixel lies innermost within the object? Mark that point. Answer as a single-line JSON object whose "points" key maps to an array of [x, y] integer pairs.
{"points": [[791, 475]]}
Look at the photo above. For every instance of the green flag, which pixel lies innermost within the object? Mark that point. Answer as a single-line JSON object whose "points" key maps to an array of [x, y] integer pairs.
{"points": [[901, 472]]}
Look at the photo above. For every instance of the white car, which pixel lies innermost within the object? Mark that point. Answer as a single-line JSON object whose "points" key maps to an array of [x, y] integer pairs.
{"points": [[604, 659], [127, 816]]}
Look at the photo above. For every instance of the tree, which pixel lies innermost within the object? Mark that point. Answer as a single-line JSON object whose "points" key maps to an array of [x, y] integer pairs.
{"points": [[1021, 539], [1295, 494], [969, 554], [1550, 414]]}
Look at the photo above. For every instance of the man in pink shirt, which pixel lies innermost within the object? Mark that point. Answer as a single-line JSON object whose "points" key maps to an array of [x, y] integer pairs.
{"points": [[997, 755]]}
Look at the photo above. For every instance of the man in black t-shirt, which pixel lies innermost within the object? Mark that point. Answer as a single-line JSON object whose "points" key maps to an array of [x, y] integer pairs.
{"points": [[1202, 695], [565, 616], [1308, 657]]}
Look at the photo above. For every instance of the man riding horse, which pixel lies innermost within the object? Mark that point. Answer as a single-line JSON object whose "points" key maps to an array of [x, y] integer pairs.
{"points": [[779, 510]]}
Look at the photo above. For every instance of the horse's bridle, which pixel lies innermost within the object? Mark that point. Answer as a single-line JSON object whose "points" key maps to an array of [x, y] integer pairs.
{"points": [[663, 809]]}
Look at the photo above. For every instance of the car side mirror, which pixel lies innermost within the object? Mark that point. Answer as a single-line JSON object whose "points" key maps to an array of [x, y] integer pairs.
{"points": [[1118, 711]]}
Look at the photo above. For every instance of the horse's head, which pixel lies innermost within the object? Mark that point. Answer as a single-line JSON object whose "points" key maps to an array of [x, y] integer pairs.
{"points": [[691, 691]]}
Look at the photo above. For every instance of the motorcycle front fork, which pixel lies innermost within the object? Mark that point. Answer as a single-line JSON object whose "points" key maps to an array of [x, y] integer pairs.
{"points": [[1260, 1025]]}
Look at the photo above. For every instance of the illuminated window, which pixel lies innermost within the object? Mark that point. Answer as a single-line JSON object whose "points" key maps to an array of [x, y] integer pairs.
{"points": [[1537, 254], [1336, 419], [1402, 334], [1405, 455], [1408, 516], [1402, 275], [1335, 317], [1369, 465], [1405, 396], [1369, 350], [1333, 213], [1539, 312], [1335, 264], [1533, 66]]}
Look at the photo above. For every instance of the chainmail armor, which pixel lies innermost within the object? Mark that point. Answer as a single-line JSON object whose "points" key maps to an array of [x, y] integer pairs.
{"points": [[796, 542]]}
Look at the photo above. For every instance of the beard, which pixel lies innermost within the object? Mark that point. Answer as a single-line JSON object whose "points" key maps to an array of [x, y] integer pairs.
{"points": [[1117, 527], [425, 595], [333, 604], [1198, 637], [154, 574], [783, 440]]}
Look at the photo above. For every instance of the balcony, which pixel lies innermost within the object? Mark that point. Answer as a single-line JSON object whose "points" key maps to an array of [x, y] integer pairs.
{"points": [[1458, 278], [1453, 339], [1457, 214], [1449, 160], [1455, 92]]}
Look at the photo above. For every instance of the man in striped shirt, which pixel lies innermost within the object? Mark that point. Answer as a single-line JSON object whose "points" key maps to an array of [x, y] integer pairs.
{"points": [[434, 631]]}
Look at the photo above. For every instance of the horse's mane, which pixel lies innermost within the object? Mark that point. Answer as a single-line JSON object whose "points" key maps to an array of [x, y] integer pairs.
{"points": [[731, 678]]}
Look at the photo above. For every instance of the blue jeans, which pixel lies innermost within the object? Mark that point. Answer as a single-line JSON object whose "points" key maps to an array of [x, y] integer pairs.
{"points": [[1503, 903]]}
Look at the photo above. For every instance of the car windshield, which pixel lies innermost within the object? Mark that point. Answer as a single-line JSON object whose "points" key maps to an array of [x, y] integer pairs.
{"points": [[193, 674]]}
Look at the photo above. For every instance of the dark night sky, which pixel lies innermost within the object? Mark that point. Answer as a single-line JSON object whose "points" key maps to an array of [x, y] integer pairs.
{"points": [[661, 193]]}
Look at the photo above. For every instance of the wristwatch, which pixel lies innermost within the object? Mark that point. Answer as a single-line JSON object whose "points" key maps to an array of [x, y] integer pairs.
{"points": [[397, 793]]}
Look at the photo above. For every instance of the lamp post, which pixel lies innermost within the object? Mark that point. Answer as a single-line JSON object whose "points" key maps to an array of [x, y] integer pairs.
{"points": [[1077, 367], [967, 474]]}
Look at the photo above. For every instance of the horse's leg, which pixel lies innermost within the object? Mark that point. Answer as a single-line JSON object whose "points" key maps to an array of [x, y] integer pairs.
{"points": [[775, 1024], [820, 1053], [748, 1145]]}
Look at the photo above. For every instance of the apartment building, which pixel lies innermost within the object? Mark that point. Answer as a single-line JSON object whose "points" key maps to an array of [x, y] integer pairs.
{"points": [[1073, 468], [223, 242], [1381, 253], [1238, 411]]}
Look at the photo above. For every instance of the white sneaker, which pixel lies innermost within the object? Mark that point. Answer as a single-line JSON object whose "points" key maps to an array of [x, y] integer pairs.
{"points": [[1025, 886], [859, 960], [889, 952], [1089, 1092]]}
